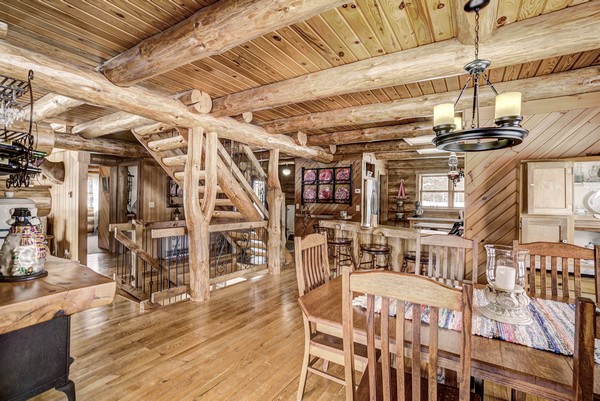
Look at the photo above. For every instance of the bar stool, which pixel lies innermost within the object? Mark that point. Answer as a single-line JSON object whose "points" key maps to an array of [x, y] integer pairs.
{"points": [[411, 257], [374, 250], [341, 251]]}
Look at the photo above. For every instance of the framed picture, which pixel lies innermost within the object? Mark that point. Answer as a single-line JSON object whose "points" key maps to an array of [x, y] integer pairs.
{"points": [[105, 184], [174, 193], [327, 185]]}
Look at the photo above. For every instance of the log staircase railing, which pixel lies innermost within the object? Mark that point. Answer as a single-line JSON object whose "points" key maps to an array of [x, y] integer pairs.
{"points": [[153, 258]]}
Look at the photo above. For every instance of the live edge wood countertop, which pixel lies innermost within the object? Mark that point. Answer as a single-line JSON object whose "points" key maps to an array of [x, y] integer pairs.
{"points": [[68, 288]]}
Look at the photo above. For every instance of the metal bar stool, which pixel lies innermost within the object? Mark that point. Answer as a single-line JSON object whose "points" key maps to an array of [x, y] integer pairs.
{"points": [[375, 250], [411, 257], [341, 251]]}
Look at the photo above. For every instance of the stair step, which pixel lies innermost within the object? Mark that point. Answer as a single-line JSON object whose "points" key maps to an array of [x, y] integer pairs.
{"points": [[180, 174], [201, 190], [222, 202], [175, 142], [174, 161], [227, 214]]}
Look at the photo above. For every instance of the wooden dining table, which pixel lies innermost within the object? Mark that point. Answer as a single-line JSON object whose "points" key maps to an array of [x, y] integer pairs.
{"points": [[541, 373]]}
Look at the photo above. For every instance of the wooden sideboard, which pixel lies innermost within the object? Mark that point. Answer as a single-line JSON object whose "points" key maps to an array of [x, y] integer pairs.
{"points": [[35, 327]]}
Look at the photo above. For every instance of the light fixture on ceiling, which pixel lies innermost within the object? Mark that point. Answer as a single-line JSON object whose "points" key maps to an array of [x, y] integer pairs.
{"points": [[454, 174], [286, 171], [450, 135]]}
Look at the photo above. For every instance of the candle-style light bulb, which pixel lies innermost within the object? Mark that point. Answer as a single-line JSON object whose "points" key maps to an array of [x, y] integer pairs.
{"points": [[508, 105], [443, 114]]}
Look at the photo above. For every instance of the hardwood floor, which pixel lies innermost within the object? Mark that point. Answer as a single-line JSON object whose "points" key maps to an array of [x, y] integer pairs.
{"points": [[244, 344]]}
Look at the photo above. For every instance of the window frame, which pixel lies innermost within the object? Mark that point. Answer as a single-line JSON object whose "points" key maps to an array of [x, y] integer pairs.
{"points": [[450, 191]]}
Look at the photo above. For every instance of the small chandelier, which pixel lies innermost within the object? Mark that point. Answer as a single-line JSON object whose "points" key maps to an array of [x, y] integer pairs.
{"points": [[450, 135], [454, 174]]}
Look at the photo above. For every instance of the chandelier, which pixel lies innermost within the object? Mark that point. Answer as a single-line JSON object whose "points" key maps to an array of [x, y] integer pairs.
{"points": [[449, 133], [454, 174]]}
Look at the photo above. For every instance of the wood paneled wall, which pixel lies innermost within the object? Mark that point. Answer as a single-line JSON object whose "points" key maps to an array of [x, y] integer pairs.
{"points": [[68, 217], [304, 227], [407, 170], [492, 185], [153, 189]]}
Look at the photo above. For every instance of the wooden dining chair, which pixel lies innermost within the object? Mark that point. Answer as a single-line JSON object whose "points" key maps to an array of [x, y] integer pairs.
{"points": [[312, 271], [383, 382], [562, 262], [446, 255]]}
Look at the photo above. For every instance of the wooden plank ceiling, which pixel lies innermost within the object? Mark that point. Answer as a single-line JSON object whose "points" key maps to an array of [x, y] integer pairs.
{"points": [[89, 33]]}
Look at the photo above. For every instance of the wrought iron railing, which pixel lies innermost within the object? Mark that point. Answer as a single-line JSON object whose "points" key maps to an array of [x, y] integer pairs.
{"points": [[154, 257]]}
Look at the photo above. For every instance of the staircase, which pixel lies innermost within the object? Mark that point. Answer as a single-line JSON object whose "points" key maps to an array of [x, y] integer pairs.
{"points": [[237, 168]]}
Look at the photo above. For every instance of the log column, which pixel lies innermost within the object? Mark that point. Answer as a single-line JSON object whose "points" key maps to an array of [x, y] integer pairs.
{"points": [[197, 216], [275, 200]]}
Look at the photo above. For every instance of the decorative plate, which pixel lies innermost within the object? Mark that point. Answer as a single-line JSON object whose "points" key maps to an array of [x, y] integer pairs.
{"points": [[342, 174], [310, 194], [592, 202], [325, 175], [342, 194], [310, 175], [325, 193]]}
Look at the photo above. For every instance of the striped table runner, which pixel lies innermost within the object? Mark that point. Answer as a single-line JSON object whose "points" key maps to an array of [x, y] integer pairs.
{"points": [[553, 327]]}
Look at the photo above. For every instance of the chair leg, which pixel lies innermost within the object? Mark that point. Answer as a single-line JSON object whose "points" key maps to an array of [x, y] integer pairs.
{"points": [[303, 372]]}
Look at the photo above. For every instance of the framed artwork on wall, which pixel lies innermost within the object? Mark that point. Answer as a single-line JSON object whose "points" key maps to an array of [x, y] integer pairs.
{"points": [[327, 185]]}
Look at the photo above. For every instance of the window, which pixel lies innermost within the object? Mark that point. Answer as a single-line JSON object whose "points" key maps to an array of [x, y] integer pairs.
{"points": [[437, 191]]}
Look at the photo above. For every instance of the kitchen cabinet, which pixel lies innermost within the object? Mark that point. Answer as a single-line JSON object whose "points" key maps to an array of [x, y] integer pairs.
{"points": [[557, 201]]}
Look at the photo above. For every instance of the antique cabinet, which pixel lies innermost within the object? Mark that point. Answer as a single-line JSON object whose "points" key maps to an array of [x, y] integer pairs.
{"points": [[550, 188]]}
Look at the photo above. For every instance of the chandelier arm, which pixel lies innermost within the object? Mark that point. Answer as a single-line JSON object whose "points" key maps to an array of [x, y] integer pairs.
{"points": [[464, 88], [487, 81], [475, 108]]}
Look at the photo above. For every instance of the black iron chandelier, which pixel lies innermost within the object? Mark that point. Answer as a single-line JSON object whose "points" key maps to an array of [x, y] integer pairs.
{"points": [[449, 133]]}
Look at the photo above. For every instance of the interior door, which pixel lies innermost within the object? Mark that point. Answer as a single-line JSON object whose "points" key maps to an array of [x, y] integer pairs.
{"points": [[104, 208]]}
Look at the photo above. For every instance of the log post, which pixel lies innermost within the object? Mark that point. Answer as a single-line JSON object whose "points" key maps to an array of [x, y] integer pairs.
{"points": [[196, 223], [275, 199]]}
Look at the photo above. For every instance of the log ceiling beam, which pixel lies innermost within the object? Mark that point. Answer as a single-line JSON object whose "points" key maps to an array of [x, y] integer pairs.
{"points": [[109, 124], [513, 44], [105, 146], [91, 87], [3, 30], [372, 134], [575, 82], [51, 105], [465, 22], [212, 30], [385, 146]]}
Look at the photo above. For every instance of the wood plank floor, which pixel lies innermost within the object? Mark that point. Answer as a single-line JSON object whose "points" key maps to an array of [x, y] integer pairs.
{"points": [[246, 343]]}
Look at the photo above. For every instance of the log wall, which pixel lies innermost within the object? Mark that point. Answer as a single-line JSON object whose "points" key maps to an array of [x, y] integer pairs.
{"points": [[492, 210], [407, 170]]}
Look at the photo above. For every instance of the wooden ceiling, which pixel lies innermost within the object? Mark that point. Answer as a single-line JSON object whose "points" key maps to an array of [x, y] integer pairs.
{"points": [[89, 33]]}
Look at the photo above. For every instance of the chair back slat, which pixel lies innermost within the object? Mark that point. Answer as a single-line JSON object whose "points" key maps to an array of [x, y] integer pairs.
{"points": [[543, 269], [465, 342], [397, 289], [433, 353], [447, 257], [312, 264], [552, 256], [416, 352], [371, 351], [400, 369], [565, 277], [385, 346], [554, 272]]}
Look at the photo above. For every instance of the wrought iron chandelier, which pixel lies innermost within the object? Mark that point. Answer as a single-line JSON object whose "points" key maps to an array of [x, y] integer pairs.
{"points": [[450, 135]]}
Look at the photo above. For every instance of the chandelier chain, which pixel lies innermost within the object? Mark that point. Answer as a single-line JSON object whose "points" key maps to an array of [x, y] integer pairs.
{"points": [[477, 34]]}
